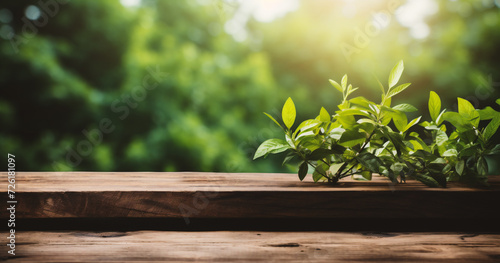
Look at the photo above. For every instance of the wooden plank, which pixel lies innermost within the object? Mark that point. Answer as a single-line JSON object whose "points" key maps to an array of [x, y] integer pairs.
{"points": [[219, 195], [254, 246]]}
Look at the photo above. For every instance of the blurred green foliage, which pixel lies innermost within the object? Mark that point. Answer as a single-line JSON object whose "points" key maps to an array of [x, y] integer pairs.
{"points": [[164, 87]]}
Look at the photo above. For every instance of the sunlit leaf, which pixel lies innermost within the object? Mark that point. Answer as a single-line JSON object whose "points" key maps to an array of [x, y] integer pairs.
{"points": [[397, 90], [307, 125], [336, 85], [324, 116], [413, 122], [450, 153], [405, 107], [344, 82], [400, 120], [271, 146], [396, 74], [434, 105], [288, 113]]}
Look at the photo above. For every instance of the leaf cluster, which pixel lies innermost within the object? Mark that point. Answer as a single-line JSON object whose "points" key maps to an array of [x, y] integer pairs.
{"points": [[357, 140]]}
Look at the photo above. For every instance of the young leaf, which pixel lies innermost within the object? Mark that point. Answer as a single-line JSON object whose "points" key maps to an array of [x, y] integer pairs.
{"points": [[303, 170], [324, 116], [413, 122], [434, 105], [405, 107], [397, 90], [306, 125], [271, 146], [336, 85], [396, 74], [275, 121], [288, 113], [466, 110], [344, 82], [498, 101]]}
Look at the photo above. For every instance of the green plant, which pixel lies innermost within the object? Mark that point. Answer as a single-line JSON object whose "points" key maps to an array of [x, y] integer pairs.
{"points": [[358, 141]]}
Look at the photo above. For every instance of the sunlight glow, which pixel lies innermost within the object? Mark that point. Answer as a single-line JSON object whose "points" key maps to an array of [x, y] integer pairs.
{"points": [[262, 10], [413, 15], [130, 3]]}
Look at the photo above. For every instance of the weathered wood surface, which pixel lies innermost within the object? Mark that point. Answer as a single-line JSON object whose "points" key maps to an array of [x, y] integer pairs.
{"points": [[247, 246], [220, 195]]}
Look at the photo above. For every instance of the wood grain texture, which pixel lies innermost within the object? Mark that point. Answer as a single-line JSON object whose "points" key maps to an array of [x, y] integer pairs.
{"points": [[222, 246], [219, 195]]}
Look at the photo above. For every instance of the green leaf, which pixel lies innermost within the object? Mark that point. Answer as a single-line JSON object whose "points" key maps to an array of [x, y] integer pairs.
{"points": [[275, 121], [336, 133], [396, 74], [288, 113], [495, 150], [405, 107], [288, 158], [367, 175], [427, 180], [351, 138], [334, 168], [482, 166], [439, 119], [324, 116], [319, 171], [440, 138], [271, 146], [397, 168], [457, 120], [459, 167], [344, 82], [498, 101], [319, 154], [492, 128], [336, 85], [354, 111], [466, 110], [413, 122], [370, 161], [450, 153], [488, 113], [397, 90], [434, 105], [361, 101], [400, 121], [303, 170], [307, 125]]}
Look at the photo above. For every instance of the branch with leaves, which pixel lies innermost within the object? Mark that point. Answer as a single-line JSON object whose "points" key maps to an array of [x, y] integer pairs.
{"points": [[358, 140]]}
